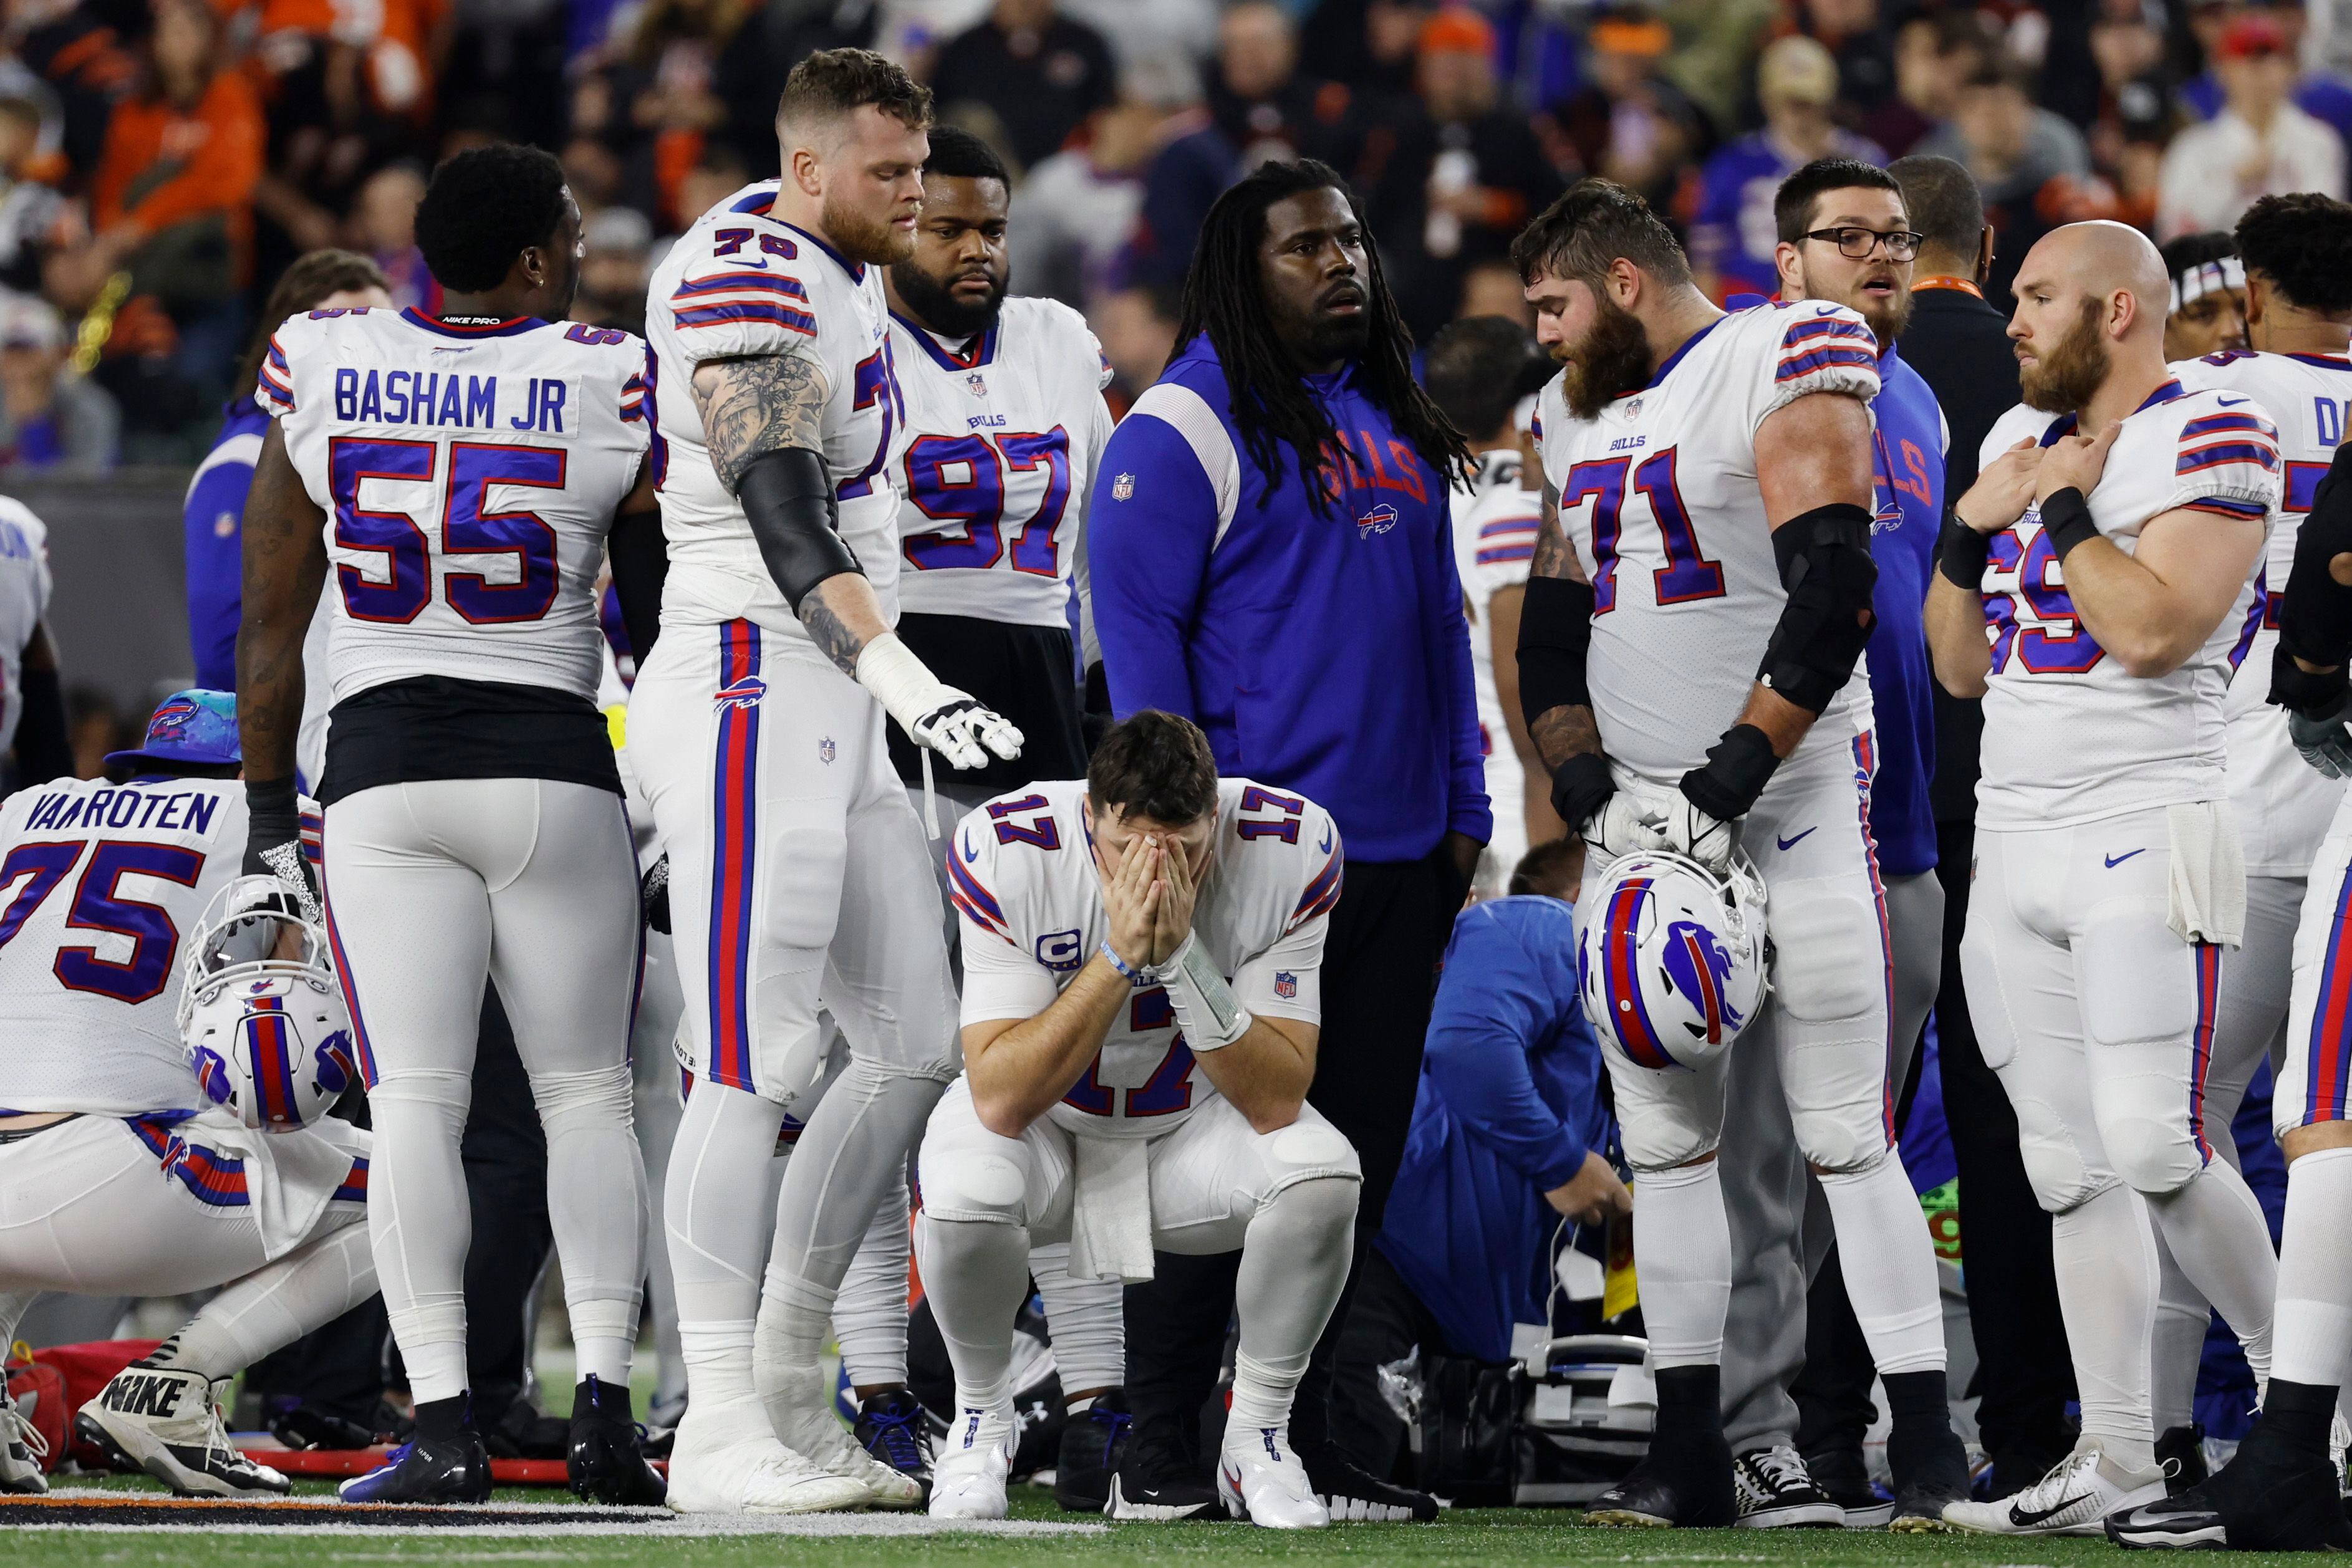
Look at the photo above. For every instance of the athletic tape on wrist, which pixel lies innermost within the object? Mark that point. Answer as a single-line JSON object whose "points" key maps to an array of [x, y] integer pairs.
{"points": [[901, 682], [1206, 1009]]}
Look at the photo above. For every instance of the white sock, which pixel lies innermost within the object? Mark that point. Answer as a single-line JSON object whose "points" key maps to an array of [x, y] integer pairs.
{"points": [[975, 1274], [2105, 1255], [1262, 1392], [278, 1303], [1889, 1262], [1295, 1259], [2181, 1318], [2313, 1331], [1681, 1254], [1088, 1319], [721, 1404], [2215, 1227], [869, 1314], [715, 1218]]}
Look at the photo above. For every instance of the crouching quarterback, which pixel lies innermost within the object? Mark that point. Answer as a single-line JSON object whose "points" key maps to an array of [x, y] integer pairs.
{"points": [[145, 1152], [1141, 1010]]}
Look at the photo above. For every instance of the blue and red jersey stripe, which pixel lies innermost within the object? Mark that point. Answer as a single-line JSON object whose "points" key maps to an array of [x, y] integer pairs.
{"points": [[2207, 956], [734, 859]]}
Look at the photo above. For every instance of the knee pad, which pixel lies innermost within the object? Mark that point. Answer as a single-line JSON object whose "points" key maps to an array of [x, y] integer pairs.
{"points": [[602, 1097], [2149, 1141], [1310, 1151], [2055, 1171], [1841, 1145], [1831, 958], [804, 863], [1318, 1204]]}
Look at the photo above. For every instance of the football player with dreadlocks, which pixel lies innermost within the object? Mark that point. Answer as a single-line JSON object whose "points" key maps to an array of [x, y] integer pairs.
{"points": [[1271, 559]]}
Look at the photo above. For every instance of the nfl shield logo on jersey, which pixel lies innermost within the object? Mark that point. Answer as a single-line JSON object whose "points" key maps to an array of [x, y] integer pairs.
{"points": [[824, 752], [978, 383], [1122, 488], [1286, 984]]}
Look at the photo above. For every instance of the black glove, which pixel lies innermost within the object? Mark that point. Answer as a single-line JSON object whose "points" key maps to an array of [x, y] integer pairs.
{"points": [[273, 841], [1580, 788], [2316, 709], [653, 896]]}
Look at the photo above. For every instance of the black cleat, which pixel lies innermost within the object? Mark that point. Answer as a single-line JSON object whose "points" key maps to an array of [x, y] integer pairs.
{"points": [[603, 1461], [897, 1430], [1842, 1474], [1684, 1482], [1354, 1494], [444, 1462], [1930, 1469], [1092, 1441], [1156, 1479], [2269, 1497], [2182, 1451]]}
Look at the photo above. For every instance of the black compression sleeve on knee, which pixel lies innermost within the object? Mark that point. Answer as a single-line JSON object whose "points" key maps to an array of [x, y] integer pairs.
{"points": [[2315, 622], [1825, 564], [787, 497], [1555, 635]]}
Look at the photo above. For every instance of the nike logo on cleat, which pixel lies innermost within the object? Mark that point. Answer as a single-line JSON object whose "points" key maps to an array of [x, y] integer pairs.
{"points": [[1792, 843], [2115, 860], [2025, 1520]]}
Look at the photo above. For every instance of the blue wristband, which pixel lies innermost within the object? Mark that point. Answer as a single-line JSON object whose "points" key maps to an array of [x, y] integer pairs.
{"points": [[1115, 961]]}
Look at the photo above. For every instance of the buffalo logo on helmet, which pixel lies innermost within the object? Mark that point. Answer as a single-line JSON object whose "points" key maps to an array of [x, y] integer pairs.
{"points": [[333, 1058], [1379, 520], [1700, 968], [742, 694]]}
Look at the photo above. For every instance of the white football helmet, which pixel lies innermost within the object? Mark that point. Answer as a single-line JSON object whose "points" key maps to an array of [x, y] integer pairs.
{"points": [[1671, 957], [260, 1013]]}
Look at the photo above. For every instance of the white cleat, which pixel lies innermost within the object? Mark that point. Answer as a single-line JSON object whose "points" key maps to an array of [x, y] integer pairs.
{"points": [[2074, 1498], [749, 1475], [161, 1420], [969, 1472], [1263, 1481], [22, 1448], [803, 1417]]}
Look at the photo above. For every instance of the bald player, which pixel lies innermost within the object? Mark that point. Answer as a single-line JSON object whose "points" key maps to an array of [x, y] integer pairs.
{"points": [[2096, 586]]}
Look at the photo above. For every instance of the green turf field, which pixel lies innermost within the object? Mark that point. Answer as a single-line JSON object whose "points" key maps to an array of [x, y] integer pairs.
{"points": [[1468, 1540]]}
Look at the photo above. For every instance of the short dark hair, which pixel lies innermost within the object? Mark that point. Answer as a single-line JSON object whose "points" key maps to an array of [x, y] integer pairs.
{"points": [[1943, 199], [1792, 204], [1548, 868], [835, 82], [483, 209], [1154, 765], [320, 275], [2303, 244], [959, 155], [2191, 251], [1474, 372], [1592, 225]]}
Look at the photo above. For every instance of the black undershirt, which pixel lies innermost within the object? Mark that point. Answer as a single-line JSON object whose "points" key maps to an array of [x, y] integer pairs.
{"points": [[434, 727]]}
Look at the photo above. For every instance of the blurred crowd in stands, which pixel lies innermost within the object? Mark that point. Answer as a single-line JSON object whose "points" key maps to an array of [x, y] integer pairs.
{"points": [[162, 161]]}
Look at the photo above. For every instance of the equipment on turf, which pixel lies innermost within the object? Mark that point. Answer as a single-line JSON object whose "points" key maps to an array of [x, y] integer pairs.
{"points": [[1672, 969], [974, 1461], [1569, 1440], [1775, 1492], [22, 1449], [2074, 1498], [1261, 1480], [162, 1420], [260, 1014]]}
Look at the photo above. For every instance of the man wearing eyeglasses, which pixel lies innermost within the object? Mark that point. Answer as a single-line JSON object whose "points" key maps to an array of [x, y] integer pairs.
{"points": [[1845, 239]]}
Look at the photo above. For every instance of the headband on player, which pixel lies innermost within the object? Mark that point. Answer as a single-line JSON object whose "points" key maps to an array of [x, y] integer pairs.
{"points": [[2208, 277]]}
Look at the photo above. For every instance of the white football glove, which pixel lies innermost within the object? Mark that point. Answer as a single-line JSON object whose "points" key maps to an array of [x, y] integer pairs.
{"points": [[1674, 823], [932, 713], [1616, 829]]}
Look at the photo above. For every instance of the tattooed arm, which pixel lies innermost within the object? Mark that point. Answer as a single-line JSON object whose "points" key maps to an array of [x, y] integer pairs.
{"points": [[752, 409], [285, 555], [1561, 730]]}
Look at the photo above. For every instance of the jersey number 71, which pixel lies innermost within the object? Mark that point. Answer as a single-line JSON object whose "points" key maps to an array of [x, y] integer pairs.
{"points": [[1687, 575]]}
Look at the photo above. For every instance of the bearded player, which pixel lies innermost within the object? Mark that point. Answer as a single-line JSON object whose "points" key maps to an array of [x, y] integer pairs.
{"points": [[1141, 1006], [1709, 490], [756, 727], [2094, 585]]}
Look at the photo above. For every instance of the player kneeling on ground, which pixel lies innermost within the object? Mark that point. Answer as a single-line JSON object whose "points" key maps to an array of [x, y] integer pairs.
{"points": [[1141, 1012], [122, 1171]]}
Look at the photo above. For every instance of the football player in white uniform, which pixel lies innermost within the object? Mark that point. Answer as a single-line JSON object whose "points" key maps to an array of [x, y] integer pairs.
{"points": [[2096, 591], [1141, 1010], [117, 1175], [2278, 1493], [1005, 420], [756, 727], [2298, 313], [32, 703], [1477, 371], [1708, 494], [460, 474]]}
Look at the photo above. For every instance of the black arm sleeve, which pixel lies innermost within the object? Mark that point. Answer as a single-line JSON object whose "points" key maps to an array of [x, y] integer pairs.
{"points": [[1825, 564], [44, 740], [2315, 622], [788, 499], [1555, 635], [640, 566]]}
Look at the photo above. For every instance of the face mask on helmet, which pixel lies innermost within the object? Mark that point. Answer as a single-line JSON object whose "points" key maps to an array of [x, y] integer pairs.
{"points": [[260, 1014], [1670, 958]]}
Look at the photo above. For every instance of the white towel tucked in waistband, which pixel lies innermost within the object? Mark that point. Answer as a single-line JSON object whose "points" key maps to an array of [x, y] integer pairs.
{"points": [[1110, 1211], [2208, 875]]}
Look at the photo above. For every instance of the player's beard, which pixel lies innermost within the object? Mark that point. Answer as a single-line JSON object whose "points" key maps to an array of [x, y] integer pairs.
{"points": [[2069, 376], [1886, 317], [861, 238], [1612, 359], [936, 305]]}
